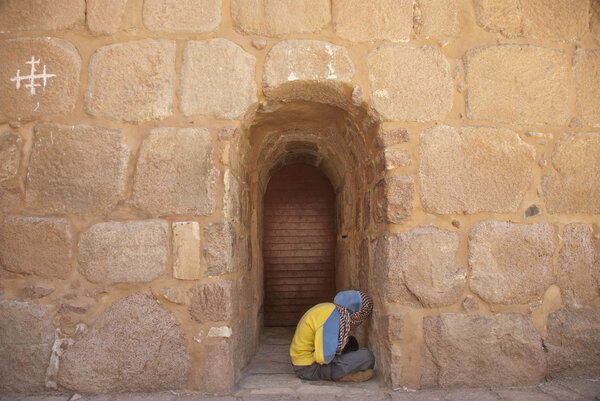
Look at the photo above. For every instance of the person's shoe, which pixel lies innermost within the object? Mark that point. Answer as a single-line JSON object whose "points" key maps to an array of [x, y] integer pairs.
{"points": [[361, 376]]}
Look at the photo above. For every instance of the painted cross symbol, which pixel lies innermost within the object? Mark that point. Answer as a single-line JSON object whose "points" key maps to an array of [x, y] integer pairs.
{"points": [[32, 76]]}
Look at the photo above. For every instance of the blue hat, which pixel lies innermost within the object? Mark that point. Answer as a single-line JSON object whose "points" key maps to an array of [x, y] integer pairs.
{"points": [[350, 300]]}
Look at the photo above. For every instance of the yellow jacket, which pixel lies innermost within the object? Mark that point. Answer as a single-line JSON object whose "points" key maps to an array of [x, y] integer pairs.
{"points": [[316, 336]]}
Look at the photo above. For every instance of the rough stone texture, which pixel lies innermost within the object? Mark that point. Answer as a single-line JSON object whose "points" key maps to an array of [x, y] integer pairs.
{"points": [[437, 18], [219, 243], [36, 245], [482, 351], [595, 19], [511, 263], [587, 82], [393, 198], [391, 327], [186, 251], [105, 16], [395, 158], [10, 155], [123, 252], [362, 21], [410, 83], [232, 199], [280, 17], [391, 137], [63, 175], [175, 173], [218, 374], [26, 336], [418, 268], [132, 81], [175, 294], [572, 182], [214, 301], [18, 15], [177, 15], [10, 198], [573, 343], [518, 84], [578, 273], [53, 95], [306, 60], [135, 345], [36, 291], [499, 16], [473, 169]]}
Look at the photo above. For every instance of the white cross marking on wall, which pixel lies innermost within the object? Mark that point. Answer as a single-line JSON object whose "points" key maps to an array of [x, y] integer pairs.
{"points": [[32, 76]]}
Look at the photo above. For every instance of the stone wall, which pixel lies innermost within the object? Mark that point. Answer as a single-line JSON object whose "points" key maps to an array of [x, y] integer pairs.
{"points": [[137, 138]]}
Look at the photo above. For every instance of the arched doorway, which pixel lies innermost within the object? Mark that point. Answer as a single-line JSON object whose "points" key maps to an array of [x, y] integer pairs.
{"points": [[298, 243]]}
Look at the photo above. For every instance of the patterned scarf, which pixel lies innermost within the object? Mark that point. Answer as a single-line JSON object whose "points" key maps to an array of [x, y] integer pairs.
{"points": [[349, 320]]}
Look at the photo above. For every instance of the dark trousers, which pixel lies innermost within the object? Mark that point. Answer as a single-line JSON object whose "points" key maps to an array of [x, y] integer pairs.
{"points": [[342, 365]]}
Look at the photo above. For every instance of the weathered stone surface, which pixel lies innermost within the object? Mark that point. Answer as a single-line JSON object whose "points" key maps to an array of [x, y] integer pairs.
{"points": [[186, 251], [232, 199], [390, 137], [410, 83], [306, 60], [395, 158], [123, 252], [35, 291], [175, 173], [595, 19], [218, 373], [105, 16], [518, 84], [36, 245], [572, 182], [57, 93], [499, 16], [470, 304], [63, 175], [391, 327], [437, 18], [587, 81], [178, 15], [175, 294], [473, 169], [132, 81], [227, 95], [10, 155], [18, 15], [418, 267], [511, 263], [573, 343], [393, 198], [10, 198], [280, 17], [482, 351], [26, 336], [135, 345], [219, 243], [361, 21], [214, 301]]}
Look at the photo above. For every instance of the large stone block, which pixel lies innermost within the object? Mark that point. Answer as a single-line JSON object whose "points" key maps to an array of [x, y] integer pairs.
{"points": [[410, 83], [18, 15], [218, 373], [135, 345], [573, 343], [503, 350], [224, 95], [175, 173], [232, 206], [36, 245], [518, 84], [280, 17], [499, 16], [587, 83], [123, 252], [393, 198], [178, 15], [572, 183], [214, 301], [511, 263], [132, 81], [105, 16], [10, 155], [437, 18], [418, 268], [38, 76], [186, 251], [363, 21], [219, 243], [474, 169], [64, 174]]}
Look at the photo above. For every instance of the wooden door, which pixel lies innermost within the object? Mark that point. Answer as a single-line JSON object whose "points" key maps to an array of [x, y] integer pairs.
{"points": [[298, 243]]}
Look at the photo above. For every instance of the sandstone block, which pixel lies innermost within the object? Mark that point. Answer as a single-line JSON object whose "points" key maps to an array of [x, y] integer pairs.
{"points": [[503, 350], [587, 81], [437, 18], [418, 268], [214, 301], [19, 15], [390, 137], [392, 327], [123, 252], [175, 172], [395, 158], [232, 205], [500, 16], [186, 250], [36, 245], [573, 343], [393, 198], [474, 169], [105, 16], [38, 76], [10, 155], [177, 15], [361, 21], [132, 81], [224, 95], [219, 245], [218, 375], [63, 175], [518, 84], [135, 345], [511, 263], [595, 19], [572, 183], [410, 83], [280, 17], [306, 60]]}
